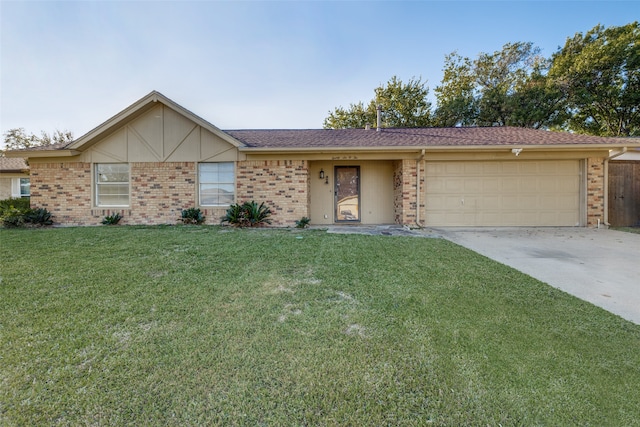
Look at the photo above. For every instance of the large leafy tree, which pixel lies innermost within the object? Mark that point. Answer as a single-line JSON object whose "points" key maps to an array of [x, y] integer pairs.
{"points": [[456, 94], [403, 106], [506, 88], [599, 72], [537, 102], [18, 139]]}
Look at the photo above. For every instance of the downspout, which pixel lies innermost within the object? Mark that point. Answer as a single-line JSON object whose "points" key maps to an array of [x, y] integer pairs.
{"points": [[613, 156], [418, 164], [606, 184]]}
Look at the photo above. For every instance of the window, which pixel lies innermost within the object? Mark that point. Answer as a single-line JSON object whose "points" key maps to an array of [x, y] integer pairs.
{"points": [[217, 184], [25, 187], [20, 187], [112, 184]]}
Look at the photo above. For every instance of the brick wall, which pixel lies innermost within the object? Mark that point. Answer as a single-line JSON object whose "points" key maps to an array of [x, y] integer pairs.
{"points": [[159, 191], [282, 184], [64, 189], [595, 191]]}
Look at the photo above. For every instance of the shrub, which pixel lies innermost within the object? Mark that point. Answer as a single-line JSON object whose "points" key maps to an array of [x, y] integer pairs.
{"points": [[112, 219], [192, 216], [257, 215], [7, 205], [234, 216], [249, 214], [303, 222], [12, 217], [38, 217]]}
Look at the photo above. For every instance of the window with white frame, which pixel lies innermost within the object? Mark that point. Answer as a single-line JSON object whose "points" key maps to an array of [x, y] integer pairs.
{"points": [[217, 184], [25, 187], [20, 187], [112, 184]]}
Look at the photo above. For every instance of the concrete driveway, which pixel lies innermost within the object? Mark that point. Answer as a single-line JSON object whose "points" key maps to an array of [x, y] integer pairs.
{"points": [[597, 265]]}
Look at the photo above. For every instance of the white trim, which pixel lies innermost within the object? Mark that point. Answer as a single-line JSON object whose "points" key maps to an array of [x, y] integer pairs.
{"points": [[199, 184], [96, 185], [16, 188]]}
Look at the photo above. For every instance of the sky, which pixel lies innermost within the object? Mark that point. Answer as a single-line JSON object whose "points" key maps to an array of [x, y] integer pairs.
{"points": [[71, 65]]}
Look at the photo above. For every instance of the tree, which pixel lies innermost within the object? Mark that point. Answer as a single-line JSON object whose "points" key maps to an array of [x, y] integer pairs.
{"points": [[537, 103], [356, 116], [456, 95], [599, 73], [506, 88], [403, 106], [497, 76], [18, 139]]}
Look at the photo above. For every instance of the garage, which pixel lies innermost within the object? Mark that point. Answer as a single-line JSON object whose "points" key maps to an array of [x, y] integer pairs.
{"points": [[503, 193]]}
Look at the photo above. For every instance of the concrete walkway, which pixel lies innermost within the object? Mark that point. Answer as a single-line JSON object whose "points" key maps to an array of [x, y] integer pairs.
{"points": [[378, 230], [597, 265]]}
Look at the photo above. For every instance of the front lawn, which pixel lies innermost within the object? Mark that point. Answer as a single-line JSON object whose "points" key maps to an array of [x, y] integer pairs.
{"points": [[635, 230], [214, 326]]}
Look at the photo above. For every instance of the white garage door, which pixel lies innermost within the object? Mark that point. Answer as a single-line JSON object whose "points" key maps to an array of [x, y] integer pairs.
{"points": [[503, 193]]}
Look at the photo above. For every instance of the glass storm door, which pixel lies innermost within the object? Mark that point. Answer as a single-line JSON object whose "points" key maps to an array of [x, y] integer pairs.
{"points": [[347, 193]]}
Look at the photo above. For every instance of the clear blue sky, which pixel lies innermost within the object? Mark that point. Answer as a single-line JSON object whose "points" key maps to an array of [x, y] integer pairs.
{"points": [[252, 65]]}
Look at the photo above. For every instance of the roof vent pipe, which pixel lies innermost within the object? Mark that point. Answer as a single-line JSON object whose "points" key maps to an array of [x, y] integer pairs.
{"points": [[378, 117]]}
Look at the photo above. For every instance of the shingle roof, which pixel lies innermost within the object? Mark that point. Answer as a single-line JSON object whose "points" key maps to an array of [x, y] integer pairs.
{"points": [[413, 137], [12, 164], [409, 138]]}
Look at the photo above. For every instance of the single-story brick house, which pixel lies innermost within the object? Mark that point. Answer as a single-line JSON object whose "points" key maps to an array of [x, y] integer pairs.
{"points": [[155, 158], [14, 178]]}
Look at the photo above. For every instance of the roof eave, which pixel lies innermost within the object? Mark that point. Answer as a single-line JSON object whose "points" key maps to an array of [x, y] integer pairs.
{"points": [[8, 171]]}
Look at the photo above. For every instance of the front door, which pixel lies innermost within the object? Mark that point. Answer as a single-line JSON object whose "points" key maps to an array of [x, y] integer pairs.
{"points": [[347, 193]]}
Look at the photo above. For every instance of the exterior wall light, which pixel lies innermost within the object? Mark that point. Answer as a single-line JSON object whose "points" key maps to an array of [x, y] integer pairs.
{"points": [[321, 174]]}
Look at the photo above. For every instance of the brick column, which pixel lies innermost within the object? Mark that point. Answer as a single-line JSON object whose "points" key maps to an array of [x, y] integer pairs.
{"points": [[595, 191], [405, 191]]}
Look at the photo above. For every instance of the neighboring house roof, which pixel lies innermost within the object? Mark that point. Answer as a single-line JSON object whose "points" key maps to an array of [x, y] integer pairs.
{"points": [[56, 146], [415, 137], [12, 165], [56, 150]]}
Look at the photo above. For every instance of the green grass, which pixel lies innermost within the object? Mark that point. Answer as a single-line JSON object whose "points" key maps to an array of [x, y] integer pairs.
{"points": [[211, 326], [635, 230]]}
